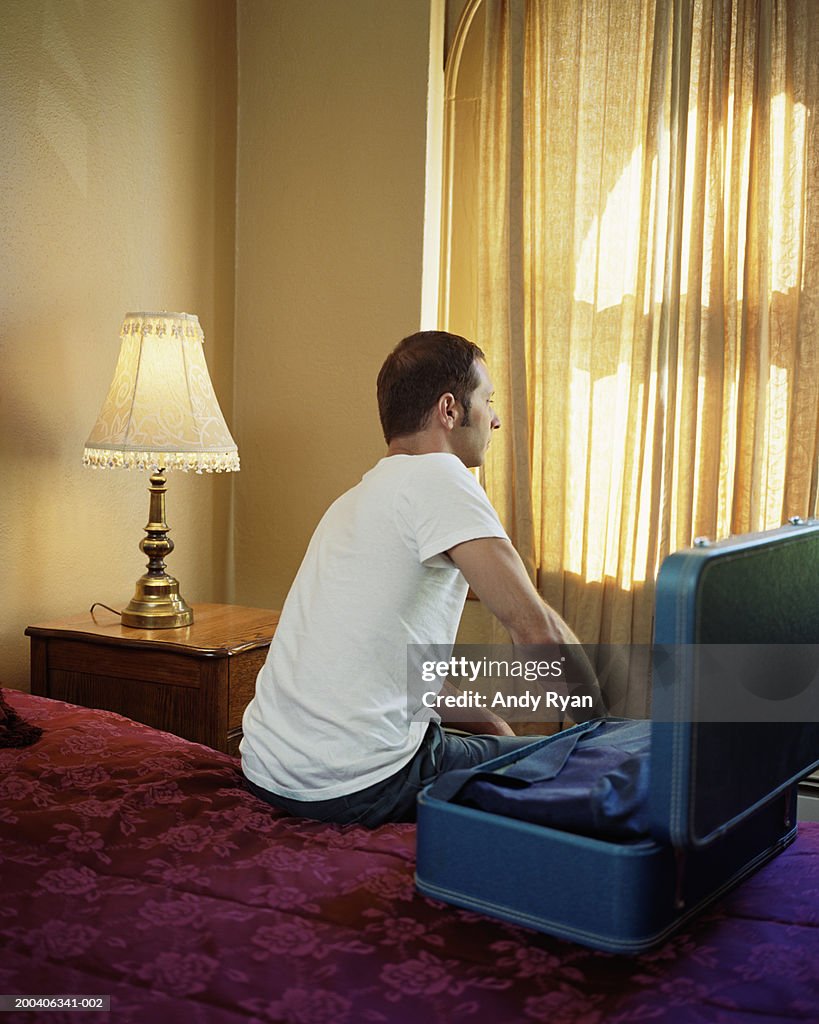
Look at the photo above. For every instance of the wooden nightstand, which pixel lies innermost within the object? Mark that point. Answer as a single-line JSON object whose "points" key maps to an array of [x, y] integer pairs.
{"points": [[194, 681]]}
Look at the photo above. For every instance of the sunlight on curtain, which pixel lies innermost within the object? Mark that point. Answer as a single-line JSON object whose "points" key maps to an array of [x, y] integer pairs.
{"points": [[644, 226]]}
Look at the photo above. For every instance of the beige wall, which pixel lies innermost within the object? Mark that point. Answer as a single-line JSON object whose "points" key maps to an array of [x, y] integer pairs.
{"points": [[118, 122], [332, 121]]}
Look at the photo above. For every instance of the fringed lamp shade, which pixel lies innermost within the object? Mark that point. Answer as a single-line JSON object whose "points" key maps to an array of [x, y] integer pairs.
{"points": [[161, 410], [161, 413]]}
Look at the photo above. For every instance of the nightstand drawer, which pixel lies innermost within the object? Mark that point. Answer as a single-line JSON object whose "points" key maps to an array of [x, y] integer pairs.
{"points": [[169, 668], [177, 709]]}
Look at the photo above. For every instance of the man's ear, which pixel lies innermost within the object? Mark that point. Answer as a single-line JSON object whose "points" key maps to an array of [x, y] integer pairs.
{"points": [[448, 410]]}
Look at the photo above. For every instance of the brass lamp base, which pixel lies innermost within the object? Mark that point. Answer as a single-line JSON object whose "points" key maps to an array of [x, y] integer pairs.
{"points": [[157, 603]]}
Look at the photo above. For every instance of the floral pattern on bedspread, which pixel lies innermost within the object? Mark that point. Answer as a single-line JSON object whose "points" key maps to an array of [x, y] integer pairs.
{"points": [[135, 864]]}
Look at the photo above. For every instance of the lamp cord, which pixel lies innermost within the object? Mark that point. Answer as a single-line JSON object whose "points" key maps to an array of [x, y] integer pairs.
{"points": [[99, 604]]}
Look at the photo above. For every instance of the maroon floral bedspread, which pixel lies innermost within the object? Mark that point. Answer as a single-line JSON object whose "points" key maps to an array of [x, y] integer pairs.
{"points": [[134, 864]]}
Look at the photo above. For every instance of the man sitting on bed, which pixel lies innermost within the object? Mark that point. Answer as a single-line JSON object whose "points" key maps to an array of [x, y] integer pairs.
{"points": [[327, 735]]}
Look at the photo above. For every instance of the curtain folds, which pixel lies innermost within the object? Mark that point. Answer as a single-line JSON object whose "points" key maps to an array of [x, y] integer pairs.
{"points": [[647, 244]]}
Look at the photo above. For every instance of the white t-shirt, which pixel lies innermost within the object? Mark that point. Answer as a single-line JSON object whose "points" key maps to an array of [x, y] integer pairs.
{"points": [[330, 716]]}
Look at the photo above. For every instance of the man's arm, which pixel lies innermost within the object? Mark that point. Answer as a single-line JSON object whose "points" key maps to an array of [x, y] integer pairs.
{"points": [[496, 573]]}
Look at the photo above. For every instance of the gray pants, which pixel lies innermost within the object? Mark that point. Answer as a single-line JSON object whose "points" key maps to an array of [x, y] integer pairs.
{"points": [[394, 798]]}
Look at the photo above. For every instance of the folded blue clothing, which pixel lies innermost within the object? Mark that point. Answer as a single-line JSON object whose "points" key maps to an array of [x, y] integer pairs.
{"points": [[593, 781]]}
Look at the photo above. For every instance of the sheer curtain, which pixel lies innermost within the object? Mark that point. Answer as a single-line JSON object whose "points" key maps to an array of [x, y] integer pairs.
{"points": [[644, 194]]}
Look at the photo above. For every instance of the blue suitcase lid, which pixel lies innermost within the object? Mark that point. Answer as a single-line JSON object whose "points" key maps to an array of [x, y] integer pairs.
{"points": [[716, 604]]}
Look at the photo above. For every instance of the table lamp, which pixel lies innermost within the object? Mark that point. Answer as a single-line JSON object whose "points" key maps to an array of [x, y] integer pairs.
{"points": [[161, 413]]}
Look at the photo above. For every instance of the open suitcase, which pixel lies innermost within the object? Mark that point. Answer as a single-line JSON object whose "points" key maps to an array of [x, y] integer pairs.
{"points": [[721, 793]]}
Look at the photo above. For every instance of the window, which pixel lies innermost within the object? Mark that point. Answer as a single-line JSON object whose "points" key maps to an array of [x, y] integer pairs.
{"points": [[632, 215]]}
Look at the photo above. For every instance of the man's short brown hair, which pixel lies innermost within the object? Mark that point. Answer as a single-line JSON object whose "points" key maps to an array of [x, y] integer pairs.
{"points": [[417, 372]]}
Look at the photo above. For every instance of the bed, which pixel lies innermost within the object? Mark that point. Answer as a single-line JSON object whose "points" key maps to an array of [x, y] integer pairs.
{"points": [[134, 864]]}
